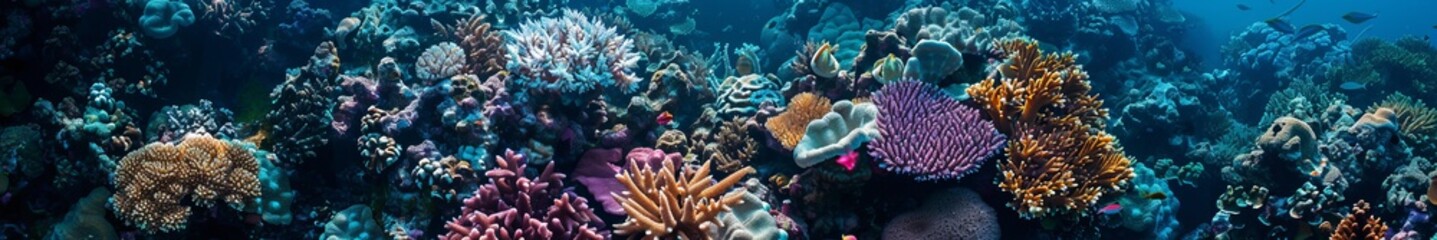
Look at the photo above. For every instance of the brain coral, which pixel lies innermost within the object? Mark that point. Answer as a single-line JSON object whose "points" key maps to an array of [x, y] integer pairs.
{"points": [[927, 133], [163, 18], [1293, 140], [442, 60], [952, 214], [843, 129], [570, 54], [153, 180]]}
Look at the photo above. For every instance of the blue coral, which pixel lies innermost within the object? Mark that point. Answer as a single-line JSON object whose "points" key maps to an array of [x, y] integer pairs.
{"points": [[163, 18], [1262, 52], [571, 54], [1143, 214]]}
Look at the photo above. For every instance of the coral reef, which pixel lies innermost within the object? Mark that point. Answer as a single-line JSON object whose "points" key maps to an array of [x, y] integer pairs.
{"points": [[153, 180], [1059, 159], [1156, 217], [173, 122], [1261, 52], [442, 60], [948, 214], [925, 133]]}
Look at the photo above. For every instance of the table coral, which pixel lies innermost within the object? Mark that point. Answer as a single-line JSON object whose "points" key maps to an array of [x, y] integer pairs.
{"points": [[924, 132], [153, 180], [1059, 158]]}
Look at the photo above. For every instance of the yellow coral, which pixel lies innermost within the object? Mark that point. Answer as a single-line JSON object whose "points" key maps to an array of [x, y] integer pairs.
{"points": [[789, 126], [152, 181], [669, 203], [1416, 120], [1059, 159]]}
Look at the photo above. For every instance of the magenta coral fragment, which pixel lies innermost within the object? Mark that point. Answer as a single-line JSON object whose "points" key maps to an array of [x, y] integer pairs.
{"points": [[929, 134], [515, 207]]}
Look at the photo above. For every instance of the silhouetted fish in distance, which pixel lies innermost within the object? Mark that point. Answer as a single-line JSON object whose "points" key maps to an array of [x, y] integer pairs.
{"points": [[1356, 17], [1243, 7], [1309, 30], [1280, 25]]}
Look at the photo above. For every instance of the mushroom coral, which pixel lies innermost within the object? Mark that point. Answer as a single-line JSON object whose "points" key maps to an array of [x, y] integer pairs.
{"points": [[1059, 158]]}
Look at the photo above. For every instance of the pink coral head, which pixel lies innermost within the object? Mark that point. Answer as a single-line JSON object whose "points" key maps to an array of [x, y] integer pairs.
{"points": [[848, 160]]}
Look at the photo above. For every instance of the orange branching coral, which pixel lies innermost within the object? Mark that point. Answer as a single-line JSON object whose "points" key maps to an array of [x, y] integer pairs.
{"points": [[151, 181], [789, 126], [485, 48], [1059, 159], [1416, 120], [1360, 224], [671, 203]]}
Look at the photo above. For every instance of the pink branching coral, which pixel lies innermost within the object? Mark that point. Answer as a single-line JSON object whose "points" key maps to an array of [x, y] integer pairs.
{"points": [[512, 206]]}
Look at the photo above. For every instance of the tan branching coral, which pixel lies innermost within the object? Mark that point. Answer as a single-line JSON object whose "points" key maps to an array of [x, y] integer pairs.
{"points": [[1415, 119], [1360, 224], [1059, 158], [670, 203], [484, 47], [732, 147], [153, 180], [789, 126]]}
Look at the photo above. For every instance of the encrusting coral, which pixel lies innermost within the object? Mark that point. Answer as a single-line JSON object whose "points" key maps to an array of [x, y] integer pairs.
{"points": [[1360, 224], [674, 203], [1059, 159], [153, 180], [788, 126]]}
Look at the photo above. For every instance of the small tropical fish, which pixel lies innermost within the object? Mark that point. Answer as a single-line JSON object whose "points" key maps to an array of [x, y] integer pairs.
{"points": [[1243, 7], [1156, 196], [1111, 208], [1309, 30], [1351, 85], [848, 160], [888, 69], [1356, 17], [665, 118], [849, 237], [1280, 25], [823, 63]]}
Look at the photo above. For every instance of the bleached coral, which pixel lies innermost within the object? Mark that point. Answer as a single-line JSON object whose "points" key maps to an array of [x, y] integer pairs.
{"points": [[442, 60], [571, 54]]}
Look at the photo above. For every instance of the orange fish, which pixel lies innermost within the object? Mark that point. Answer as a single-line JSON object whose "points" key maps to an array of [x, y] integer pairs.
{"points": [[665, 118]]}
